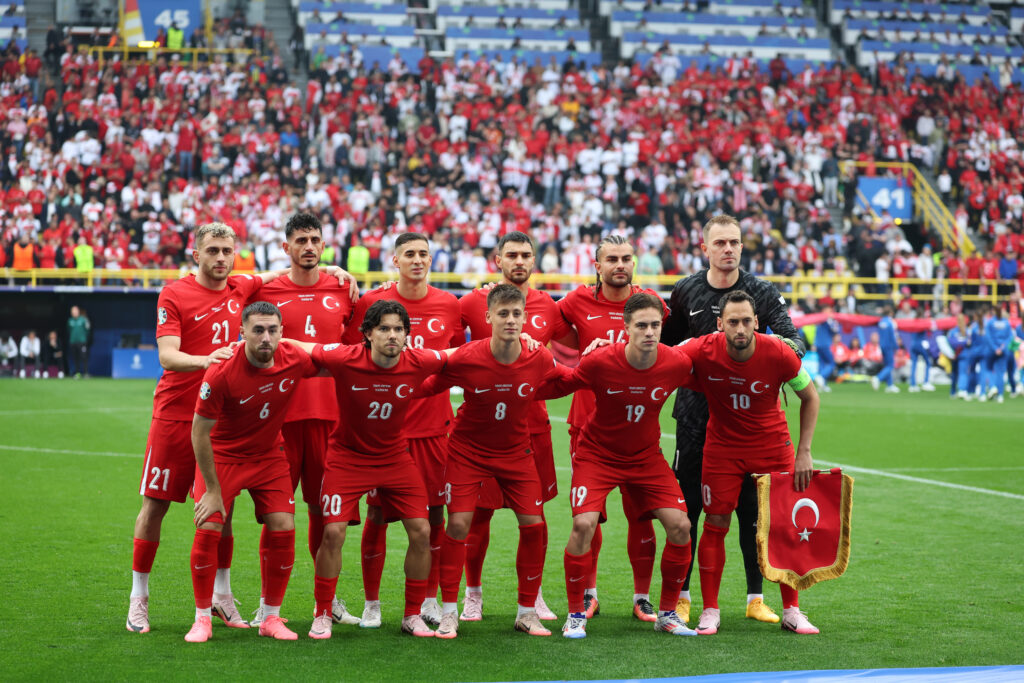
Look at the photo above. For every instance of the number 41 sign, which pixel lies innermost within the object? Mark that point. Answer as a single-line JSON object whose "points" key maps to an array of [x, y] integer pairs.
{"points": [[886, 194]]}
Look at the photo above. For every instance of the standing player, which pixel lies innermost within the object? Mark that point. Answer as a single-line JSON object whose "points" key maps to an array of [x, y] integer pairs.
{"points": [[197, 317], [236, 435], [315, 308], [595, 312], [742, 372], [998, 338], [368, 451], [491, 439], [515, 258], [888, 344], [694, 306], [620, 446], [434, 324]]}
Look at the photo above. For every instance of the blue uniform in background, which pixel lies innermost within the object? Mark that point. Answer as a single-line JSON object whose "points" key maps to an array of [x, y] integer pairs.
{"points": [[958, 342], [998, 335], [887, 344], [823, 345], [920, 347], [971, 358]]}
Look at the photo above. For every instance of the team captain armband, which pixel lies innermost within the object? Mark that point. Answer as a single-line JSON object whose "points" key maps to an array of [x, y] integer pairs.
{"points": [[800, 381]]}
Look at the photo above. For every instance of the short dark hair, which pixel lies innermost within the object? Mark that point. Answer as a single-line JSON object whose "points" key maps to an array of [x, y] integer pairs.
{"points": [[505, 294], [611, 240], [640, 301], [302, 221], [515, 236], [735, 297], [376, 312], [260, 308], [409, 237]]}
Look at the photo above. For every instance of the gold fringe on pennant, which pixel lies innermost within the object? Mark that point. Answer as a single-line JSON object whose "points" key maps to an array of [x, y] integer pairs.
{"points": [[788, 576]]}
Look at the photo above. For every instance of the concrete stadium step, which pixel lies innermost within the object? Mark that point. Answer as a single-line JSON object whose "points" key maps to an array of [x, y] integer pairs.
{"points": [[39, 15]]}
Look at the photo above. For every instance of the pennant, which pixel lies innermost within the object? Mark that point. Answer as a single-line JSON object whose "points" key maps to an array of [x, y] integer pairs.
{"points": [[803, 537]]}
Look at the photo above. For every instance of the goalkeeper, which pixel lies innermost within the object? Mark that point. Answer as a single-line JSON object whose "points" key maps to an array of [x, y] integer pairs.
{"points": [[693, 311]]}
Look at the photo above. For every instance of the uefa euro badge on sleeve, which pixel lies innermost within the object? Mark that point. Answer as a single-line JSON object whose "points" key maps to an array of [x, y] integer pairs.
{"points": [[803, 537]]}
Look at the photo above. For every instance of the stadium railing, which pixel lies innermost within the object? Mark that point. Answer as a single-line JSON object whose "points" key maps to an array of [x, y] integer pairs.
{"points": [[798, 286], [929, 208], [188, 54]]}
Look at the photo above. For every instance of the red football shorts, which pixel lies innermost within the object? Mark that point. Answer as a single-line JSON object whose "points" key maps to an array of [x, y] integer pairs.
{"points": [[397, 485], [648, 484], [305, 444], [266, 478], [430, 454], [722, 477], [170, 464], [491, 497], [516, 477]]}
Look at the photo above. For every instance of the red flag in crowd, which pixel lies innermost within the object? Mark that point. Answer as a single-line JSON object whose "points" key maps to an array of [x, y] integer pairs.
{"points": [[804, 536]]}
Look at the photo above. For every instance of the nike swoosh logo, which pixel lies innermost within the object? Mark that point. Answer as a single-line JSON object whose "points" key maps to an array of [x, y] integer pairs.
{"points": [[533, 578], [291, 501], [355, 388], [617, 391], [480, 391], [284, 568], [552, 486], [575, 579], [693, 312], [243, 401], [538, 502], [680, 500], [647, 540], [434, 547], [593, 317], [205, 566], [716, 379], [282, 303], [200, 317], [370, 557]]}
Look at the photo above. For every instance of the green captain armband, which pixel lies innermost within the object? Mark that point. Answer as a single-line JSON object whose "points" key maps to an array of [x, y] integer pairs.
{"points": [[800, 381]]}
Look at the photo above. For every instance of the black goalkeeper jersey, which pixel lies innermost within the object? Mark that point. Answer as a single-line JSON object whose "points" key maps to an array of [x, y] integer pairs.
{"points": [[693, 311]]}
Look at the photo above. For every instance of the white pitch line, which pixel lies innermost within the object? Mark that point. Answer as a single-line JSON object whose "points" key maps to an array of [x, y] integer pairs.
{"points": [[61, 451], [73, 411], [957, 469]]}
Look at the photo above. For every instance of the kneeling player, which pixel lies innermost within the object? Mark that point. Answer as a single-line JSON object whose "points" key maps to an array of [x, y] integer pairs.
{"points": [[619, 446], [236, 438], [742, 372]]}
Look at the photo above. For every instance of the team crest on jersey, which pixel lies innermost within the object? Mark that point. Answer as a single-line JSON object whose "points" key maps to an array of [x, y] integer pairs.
{"points": [[205, 391], [161, 315], [331, 347]]}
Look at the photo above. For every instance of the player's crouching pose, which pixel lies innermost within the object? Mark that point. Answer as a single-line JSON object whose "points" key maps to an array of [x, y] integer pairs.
{"points": [[375, 383], [619, 446], [236, 438], [742, 372]]}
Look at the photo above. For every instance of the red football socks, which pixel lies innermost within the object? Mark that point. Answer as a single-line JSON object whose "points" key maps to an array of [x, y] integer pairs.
{"points": [[577, 567], [530, 562], [595, 550], [323, 592], [415, 592], [225, 551], [434, 577], [204, 566], [374, 548], [790, 596], [476, 545], [640, 547], [675, 561], [453, 558], [316, 534], [280, 559], [711, 562], [143, 554]]}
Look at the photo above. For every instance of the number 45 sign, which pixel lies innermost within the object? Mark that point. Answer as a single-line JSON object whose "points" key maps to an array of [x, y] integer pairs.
{"points": [[158, 15], [886, 194]]}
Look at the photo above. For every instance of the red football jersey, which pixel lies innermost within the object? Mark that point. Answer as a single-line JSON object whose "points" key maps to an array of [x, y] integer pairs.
{"points": [[250, 403], [435, 324], [205, 320], [743, 398], [492, 419], [374, 399], [594, 316], [543, 323], [316, 314], [626, 424]]}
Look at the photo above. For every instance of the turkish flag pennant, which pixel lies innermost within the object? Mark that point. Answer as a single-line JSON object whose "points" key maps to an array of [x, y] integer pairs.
{"points": [[803, 537]]}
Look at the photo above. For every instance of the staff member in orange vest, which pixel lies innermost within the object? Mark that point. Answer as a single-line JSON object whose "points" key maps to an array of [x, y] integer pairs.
{"points": [[24, 255]]}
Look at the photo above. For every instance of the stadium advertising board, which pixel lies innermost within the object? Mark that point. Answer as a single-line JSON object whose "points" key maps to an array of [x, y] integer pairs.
{"points": [[886, 194], [158, 15]]}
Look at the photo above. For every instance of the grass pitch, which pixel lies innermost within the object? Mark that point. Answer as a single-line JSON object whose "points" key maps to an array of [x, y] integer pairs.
{"points": [[934, 579]]}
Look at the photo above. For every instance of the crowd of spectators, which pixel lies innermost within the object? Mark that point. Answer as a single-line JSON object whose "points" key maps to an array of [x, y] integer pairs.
{"points": [[135, 153]]}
